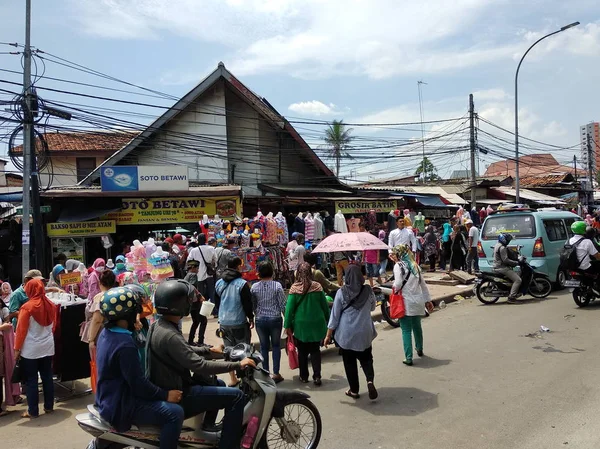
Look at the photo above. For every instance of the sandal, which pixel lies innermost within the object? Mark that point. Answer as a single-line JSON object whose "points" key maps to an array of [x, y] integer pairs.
{"points": [[304, 381], [235, 385], [352, 395], [28, 416], [372, 391]]}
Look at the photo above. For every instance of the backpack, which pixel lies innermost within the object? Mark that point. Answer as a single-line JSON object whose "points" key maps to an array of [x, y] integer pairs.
{"points": [[568, 256]]}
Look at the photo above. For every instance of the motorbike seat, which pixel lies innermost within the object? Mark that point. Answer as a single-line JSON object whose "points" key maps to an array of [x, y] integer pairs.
{"points": [[145, 429]]}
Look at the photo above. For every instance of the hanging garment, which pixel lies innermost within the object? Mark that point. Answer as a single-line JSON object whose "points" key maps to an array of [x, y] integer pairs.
{"points": [[370, 221], [420, 222], [319, 228], [482, 214], [271, 236], [340, 224], [299, 225], [328, 222], [282, 230], [353, 225], [309, 228]]}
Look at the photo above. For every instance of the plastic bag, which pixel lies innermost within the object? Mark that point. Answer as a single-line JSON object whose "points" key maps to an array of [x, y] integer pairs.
{"points": [[292, 353], [397, 307]]}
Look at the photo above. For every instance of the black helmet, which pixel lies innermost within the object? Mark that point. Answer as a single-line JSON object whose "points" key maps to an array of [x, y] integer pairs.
{"points": [[119, 304], [174, 297]]}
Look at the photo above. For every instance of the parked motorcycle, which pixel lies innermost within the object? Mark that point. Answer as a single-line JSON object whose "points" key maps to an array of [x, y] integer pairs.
{"points": [[382, 294], [584, 287], [490, 287], [286, 419]]}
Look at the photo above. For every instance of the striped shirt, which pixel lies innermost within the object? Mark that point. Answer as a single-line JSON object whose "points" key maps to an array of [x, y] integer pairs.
{"points": [[268, 299]]}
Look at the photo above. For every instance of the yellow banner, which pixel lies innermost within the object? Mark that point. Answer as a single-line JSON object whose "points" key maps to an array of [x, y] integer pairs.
{"points": [[70, 278], [82, 228], [174, 210], [361, 207]]}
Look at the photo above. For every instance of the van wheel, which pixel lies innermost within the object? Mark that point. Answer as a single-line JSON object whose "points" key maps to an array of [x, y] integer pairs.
{"points": [[561, 277]]}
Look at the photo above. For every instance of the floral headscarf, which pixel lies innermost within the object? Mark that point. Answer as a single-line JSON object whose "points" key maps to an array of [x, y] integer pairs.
{"points": [[304, 280], [405, 255], [5, 290]]}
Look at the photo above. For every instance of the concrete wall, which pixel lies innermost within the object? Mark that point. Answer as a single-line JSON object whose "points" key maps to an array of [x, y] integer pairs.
{"points": [[196, 137], [64, 170]]}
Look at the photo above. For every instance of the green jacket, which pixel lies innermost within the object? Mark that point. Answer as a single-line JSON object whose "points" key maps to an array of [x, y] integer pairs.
{"points": [[307, 317]]}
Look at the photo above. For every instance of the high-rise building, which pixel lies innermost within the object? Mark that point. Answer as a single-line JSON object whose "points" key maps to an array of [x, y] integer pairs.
{"points": [[590, 132]]}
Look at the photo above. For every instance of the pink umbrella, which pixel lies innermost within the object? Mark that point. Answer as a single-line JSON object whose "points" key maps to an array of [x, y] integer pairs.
{"points": [[351, 241]]}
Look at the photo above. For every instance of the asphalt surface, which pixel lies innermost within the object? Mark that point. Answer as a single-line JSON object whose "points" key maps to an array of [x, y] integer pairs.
{"points": [[490, 379]]}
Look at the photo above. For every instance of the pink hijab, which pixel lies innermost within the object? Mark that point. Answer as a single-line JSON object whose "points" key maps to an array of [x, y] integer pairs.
{"points": [[94, 280]]}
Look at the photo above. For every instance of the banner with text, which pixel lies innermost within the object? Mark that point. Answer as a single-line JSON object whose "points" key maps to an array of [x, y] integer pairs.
{"points": [[125, 178], [173, 210], [361, 207], [70, 278], [82, 228]]}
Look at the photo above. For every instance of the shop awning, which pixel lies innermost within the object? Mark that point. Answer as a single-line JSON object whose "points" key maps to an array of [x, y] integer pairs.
{"points": [[88, 210], [16, 197], [426, 200]]}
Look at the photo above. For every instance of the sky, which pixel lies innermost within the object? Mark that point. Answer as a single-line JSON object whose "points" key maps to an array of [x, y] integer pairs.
{"points": [[356, 60]]}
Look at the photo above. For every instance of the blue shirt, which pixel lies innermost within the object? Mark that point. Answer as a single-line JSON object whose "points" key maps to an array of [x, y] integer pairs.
{"points": [[354, 329], [121, 382]]}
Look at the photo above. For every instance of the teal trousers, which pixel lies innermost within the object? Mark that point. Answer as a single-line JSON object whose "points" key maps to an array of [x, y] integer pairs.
{"points": [[411, 325]]}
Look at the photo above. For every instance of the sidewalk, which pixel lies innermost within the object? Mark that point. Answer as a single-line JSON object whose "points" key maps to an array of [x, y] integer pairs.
{"points": [[439, 290]]}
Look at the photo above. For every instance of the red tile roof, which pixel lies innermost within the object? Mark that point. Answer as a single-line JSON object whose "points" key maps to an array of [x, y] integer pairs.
{"points": [[531, 165], [545, 180], [107, 142]]}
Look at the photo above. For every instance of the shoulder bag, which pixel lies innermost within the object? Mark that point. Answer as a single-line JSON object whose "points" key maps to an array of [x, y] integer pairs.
{"points": [[210, 270], [397, 307]]}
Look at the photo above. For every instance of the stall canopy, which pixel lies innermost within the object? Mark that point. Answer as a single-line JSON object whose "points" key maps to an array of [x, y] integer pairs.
{"points": [[425, 200], [529, 195], [83, 210]]}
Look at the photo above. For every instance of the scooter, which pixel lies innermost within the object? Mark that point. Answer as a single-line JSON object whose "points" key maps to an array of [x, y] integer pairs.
{"points": [[584, 287], [490, 287], [272, 418], [382, 294]]}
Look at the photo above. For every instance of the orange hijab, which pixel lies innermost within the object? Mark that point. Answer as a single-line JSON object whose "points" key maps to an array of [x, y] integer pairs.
{"points": [[39, 306]]}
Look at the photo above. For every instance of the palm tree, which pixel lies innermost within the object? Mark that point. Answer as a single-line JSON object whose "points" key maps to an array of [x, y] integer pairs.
{"points": [[338, 139]]}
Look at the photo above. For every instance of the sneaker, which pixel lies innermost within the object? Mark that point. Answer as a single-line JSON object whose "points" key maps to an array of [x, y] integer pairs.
{"points": [[420, 353], [407, 362], [512, 301], [318, 382]]}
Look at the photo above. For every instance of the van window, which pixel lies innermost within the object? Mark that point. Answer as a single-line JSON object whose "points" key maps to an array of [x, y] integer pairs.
{"points": [[518, 225], [555, 229], [568, 223]]}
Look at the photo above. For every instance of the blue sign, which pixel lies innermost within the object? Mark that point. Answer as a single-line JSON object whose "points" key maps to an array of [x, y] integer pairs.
{"points": [[119, 178]]}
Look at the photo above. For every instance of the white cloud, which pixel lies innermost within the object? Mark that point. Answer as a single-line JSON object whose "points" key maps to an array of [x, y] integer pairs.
{"points": [[313, 108]]}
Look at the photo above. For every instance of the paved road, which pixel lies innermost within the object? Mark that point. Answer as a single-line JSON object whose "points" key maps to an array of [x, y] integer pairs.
{"points": [[490, 380]]}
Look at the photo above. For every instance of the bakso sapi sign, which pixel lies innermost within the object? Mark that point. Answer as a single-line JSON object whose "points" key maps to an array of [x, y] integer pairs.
{"points": [[81, 228], [144, 178], [360, 207], [173, 210]]}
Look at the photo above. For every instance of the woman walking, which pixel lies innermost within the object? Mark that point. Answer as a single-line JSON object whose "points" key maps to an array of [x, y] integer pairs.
{"points": [[306, 317], [354, 330], [7, 359], [431, 247], [408, 279], [268, 300], [446, 246], [34, 346], [459, 249]]}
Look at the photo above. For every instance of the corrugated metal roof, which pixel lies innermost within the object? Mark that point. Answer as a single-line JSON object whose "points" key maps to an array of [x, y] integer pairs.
{"points": [[453, 198], [529, 195]]}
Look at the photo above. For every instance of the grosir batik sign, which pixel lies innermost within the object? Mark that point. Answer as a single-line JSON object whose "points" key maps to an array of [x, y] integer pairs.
{"points": [[360, 207], [144, 178]]}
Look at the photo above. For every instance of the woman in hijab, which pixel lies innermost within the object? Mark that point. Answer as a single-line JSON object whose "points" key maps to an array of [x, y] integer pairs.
{"points": [[354, 329], [408, 279], [306, 316], [7, 358], [446, 245], [94, 278], [71, 265], [54, 280], [5, 292], [83, 286], [459, 249], [431, 247], [34, 346], [120, 265]]}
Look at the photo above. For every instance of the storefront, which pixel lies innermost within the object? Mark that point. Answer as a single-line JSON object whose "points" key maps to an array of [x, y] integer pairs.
{"points": [[72, 239]]}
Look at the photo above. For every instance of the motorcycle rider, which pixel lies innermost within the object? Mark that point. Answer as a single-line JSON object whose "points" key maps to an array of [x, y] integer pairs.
{"points": [[504, 265], [170, 359], [124, 396], [587, 254]]}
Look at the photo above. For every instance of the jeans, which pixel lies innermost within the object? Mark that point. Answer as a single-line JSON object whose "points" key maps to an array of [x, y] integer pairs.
{"points": [[366, 362], [269, 334], [411, 325], [203, 399], [473, 259], [383, 267], [234, 335], [306, 349], [31, 368], [340, 266], [210, 288], [198, 321], [168, 416]]}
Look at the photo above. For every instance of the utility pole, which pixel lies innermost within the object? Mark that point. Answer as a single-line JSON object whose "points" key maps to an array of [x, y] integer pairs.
{"points": [[473, 151], [419, 84], [27, 139], [591, 160]]}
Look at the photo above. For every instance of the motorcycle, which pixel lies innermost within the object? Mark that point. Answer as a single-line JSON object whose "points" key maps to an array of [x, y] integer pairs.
{"points": [[279, 418], [490, 287], [584, 287], [382, 294]]}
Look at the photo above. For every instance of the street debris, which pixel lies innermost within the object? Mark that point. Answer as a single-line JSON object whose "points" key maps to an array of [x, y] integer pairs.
{"points": [[544, 328], [568, 317], [442, 305], [459, 298]]}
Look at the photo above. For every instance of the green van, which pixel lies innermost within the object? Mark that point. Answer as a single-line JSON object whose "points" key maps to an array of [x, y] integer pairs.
{"points": [[541, 233]]}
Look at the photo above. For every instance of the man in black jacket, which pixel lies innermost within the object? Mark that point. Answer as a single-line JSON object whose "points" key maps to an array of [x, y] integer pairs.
{"points": [[170, 360]]}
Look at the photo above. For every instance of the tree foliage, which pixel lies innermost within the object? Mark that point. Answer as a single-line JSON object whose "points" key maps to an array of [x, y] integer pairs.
{"points": [[338, 138], [428, 170]]}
